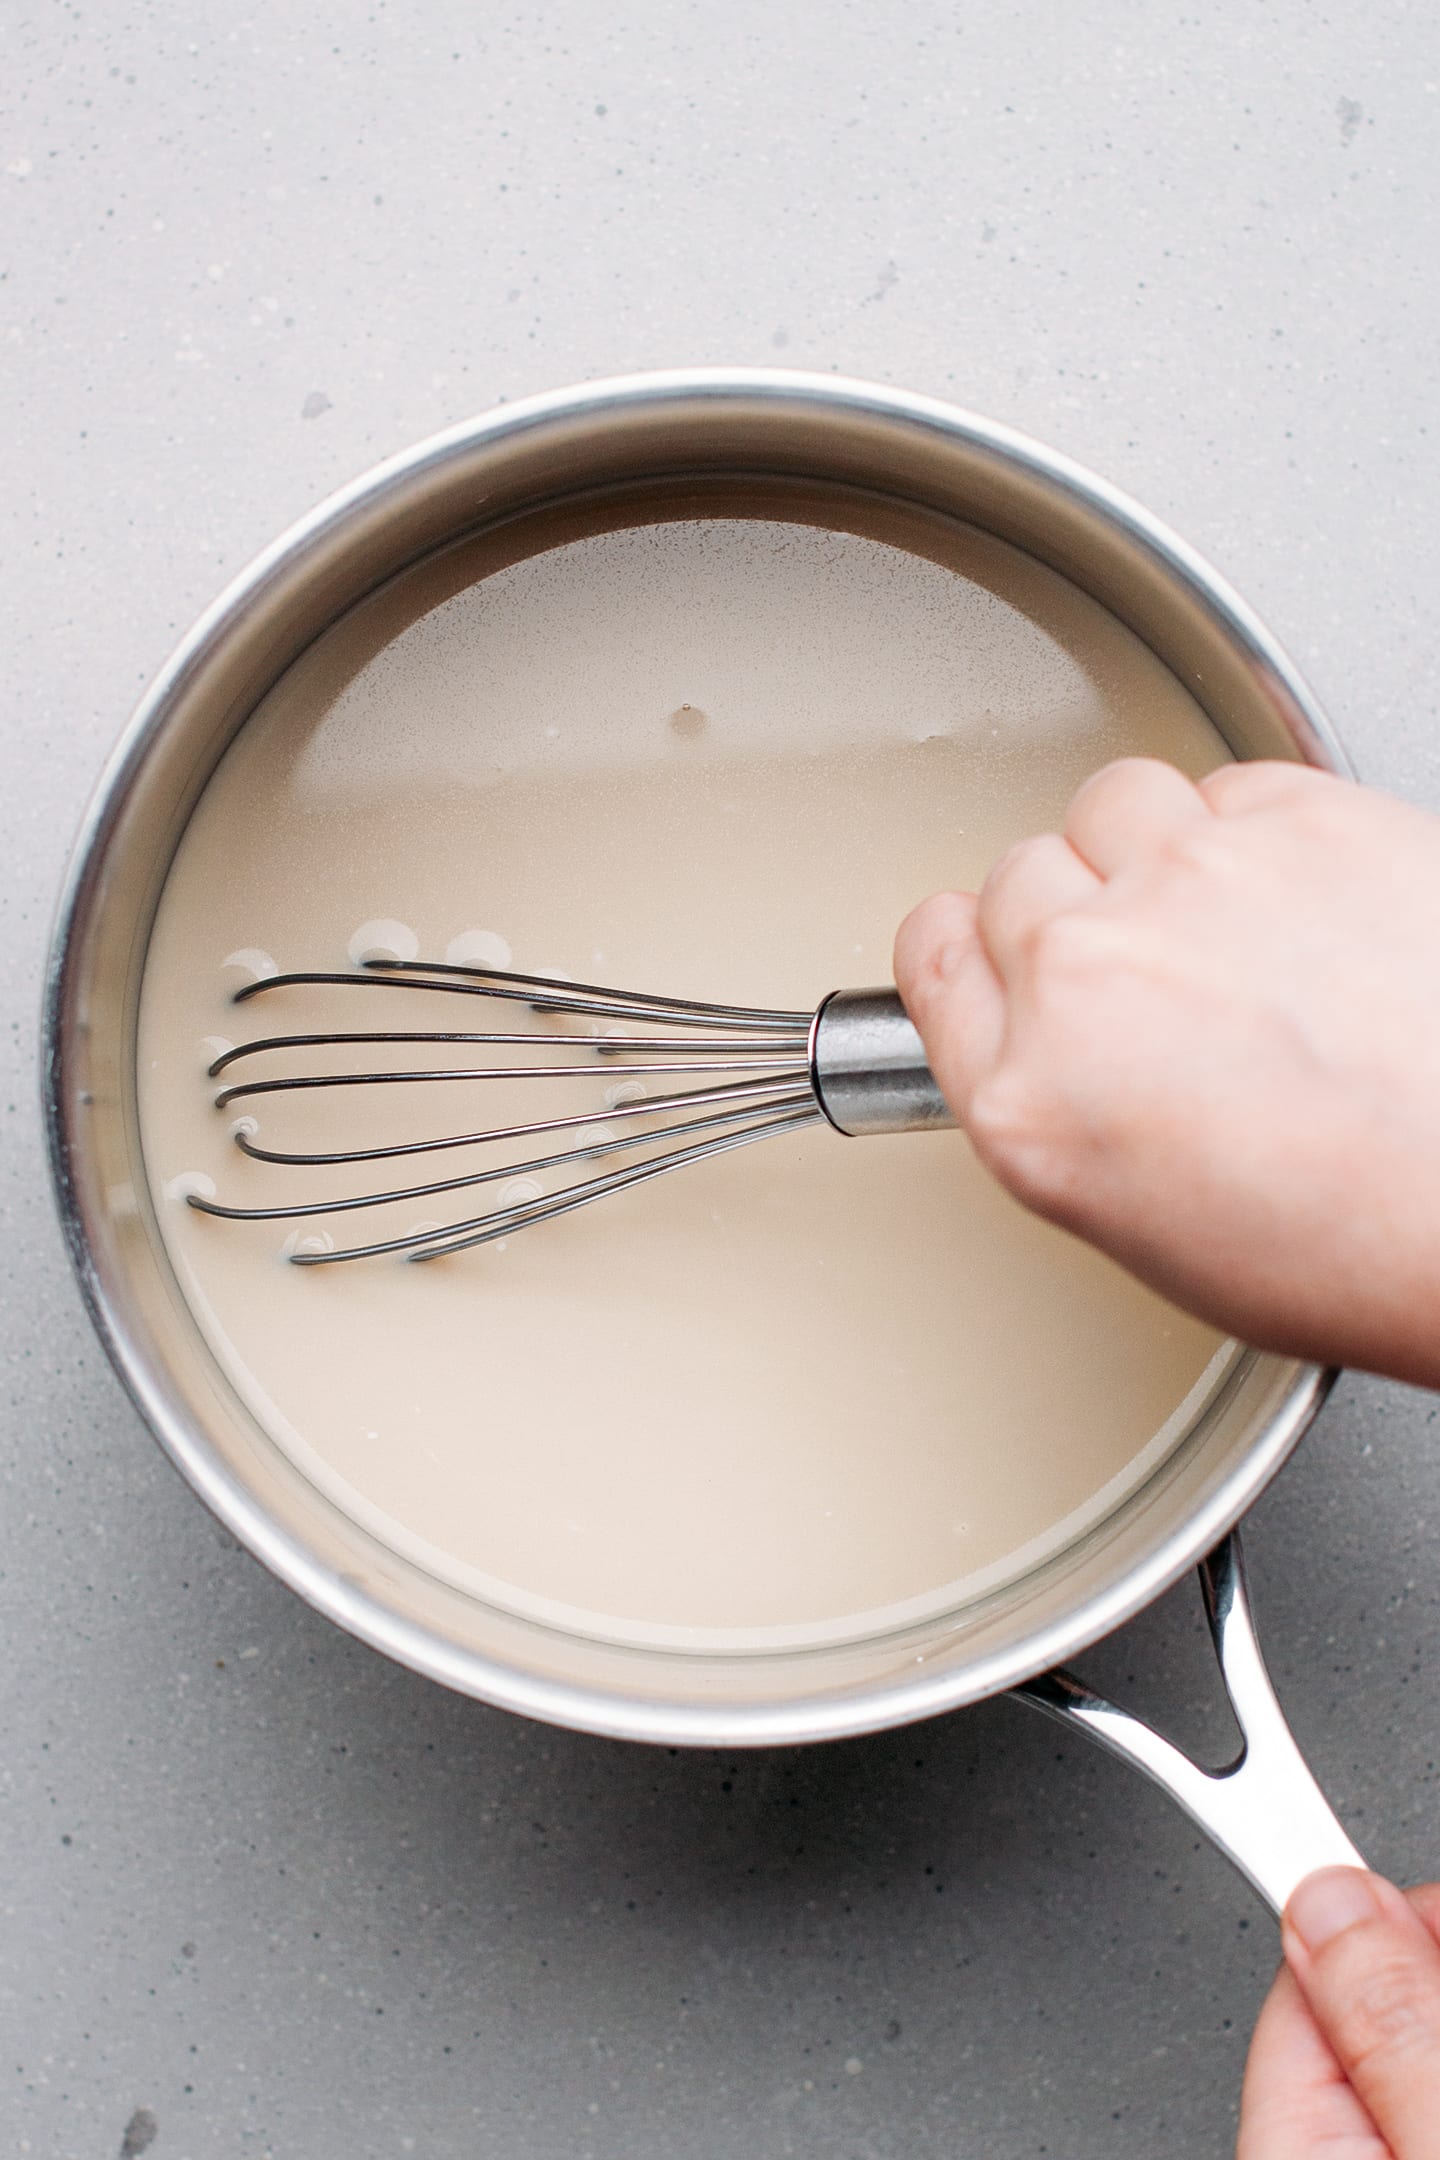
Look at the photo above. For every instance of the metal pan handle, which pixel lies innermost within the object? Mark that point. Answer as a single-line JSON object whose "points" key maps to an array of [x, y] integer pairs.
{"points": [[1264, 1810]]}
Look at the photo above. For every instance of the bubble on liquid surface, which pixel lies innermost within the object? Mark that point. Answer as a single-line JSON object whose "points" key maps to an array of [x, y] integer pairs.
{"points": [[258, 965], [479, 948], [188, 1182], [382, 939], [688, 721]]}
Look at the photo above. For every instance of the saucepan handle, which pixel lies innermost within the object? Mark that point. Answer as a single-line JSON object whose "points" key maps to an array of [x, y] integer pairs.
{"points": [[1264, 1810]]}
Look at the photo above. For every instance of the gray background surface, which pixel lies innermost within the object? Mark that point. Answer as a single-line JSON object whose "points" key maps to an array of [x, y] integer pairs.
{"points": [[264, 1893]]}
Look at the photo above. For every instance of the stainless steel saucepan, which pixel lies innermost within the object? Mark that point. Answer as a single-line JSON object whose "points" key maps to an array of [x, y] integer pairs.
{"points": [[628, 446]]}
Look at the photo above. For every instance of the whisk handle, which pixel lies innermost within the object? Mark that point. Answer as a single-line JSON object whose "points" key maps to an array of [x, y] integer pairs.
{"points": [[868, 1069]]}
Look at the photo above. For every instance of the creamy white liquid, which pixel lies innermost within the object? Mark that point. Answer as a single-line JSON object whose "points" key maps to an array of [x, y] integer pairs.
{"points": [[799, 1391]]}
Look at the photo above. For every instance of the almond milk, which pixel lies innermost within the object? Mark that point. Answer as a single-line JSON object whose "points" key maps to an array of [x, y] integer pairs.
{"points": [[806, 1390]]}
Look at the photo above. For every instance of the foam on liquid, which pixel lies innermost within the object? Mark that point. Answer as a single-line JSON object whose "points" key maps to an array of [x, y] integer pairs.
{"points": [[798, 1392]]}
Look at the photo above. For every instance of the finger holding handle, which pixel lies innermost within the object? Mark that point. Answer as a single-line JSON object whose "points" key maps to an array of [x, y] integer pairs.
{"points": [[1369, 1969]]}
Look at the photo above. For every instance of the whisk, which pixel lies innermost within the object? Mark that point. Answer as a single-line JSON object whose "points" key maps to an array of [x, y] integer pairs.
{"points": [[855, 1062]]}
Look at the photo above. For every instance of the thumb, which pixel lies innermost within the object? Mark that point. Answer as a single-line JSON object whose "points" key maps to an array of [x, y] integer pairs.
{"points": [[951, 993], [1369, 1969]]}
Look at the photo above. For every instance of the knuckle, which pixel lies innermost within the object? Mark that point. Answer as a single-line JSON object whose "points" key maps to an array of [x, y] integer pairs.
{"points": [[1199, 848], [1067, 947], [1269, 784], [1229, 787], [1322, 818], [930, 919], [1115, 778], [1115, 790], [1016, 861], [1073, 961], [1245, 782]]}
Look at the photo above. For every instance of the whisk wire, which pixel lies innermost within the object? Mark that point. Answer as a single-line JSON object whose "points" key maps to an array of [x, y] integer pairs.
{"points": [[752, 1063], [705, 1015], [501, 1222], [299, 1083], [601, 1045], [615, 1144], [543, 993], [742, 1095]]}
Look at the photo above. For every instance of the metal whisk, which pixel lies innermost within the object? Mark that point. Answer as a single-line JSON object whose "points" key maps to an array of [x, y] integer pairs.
{"points": [[856, 1062]]}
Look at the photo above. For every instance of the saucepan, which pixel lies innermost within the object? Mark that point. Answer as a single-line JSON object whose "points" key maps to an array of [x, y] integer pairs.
{"points": [[682, 438]]}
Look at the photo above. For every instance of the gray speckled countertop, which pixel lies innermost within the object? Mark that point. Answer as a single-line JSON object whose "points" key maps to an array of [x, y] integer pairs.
{"points": [[263, 1892]]}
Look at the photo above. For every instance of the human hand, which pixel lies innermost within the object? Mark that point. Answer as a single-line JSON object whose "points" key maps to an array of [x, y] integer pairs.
{"points": [[1202, 1030], [1346, 2055]]}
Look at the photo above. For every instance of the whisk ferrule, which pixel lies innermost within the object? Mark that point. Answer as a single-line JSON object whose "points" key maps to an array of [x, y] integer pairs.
{"points": [[868, 1068]]}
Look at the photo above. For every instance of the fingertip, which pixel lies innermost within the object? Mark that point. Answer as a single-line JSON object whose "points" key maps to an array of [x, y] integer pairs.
{"points": [[1369, 1969], [932, 943], [1333, 1900], [950, 991]]}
